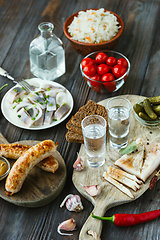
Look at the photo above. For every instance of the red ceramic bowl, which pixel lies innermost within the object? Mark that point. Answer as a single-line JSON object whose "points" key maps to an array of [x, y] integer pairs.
{"points": [[106, 87], [86, 48]]}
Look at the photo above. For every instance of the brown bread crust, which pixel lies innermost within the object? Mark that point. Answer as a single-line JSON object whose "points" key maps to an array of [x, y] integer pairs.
{"points": [[70, 126], [74, 137], [74, 133], [91, 108]]}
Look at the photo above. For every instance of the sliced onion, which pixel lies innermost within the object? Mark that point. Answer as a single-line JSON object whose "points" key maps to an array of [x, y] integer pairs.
{"points": [[61, 98]]}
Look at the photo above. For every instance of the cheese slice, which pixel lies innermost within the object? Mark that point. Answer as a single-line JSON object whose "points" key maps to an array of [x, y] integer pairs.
{"points": [[143, 161], [118, 185]]}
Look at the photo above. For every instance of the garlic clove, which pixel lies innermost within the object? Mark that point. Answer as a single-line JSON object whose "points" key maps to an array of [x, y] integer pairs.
{"points": [[78, 164], [93, 190], [73, 203], [68, 225]]}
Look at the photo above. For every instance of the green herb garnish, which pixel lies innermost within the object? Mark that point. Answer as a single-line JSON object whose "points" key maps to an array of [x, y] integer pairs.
{"points": [[19, 116], [19, 100], [3, 86], [130, 148], [15, 90], [57, 105]]}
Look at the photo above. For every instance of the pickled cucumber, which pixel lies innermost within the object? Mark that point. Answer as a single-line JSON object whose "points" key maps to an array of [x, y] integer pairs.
{"points": [[156, 109], [154, 100], [141, 104], [138, 108], [148, 109], [144, 116]]}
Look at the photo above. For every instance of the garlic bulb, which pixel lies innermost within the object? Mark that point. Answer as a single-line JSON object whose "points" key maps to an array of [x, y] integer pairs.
{"points": [[78, 165], [73, 203], [68, 225]]}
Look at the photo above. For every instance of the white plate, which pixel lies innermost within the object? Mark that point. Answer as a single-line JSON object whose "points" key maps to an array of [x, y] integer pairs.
{"points": [[9, 114]]}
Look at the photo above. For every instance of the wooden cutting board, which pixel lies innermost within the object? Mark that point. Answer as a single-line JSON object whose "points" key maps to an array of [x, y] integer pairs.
{"points": [[40, 187], [110, 195]]}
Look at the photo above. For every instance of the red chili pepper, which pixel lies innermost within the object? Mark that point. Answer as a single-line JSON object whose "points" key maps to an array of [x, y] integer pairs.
{"points": [[126, 220]]}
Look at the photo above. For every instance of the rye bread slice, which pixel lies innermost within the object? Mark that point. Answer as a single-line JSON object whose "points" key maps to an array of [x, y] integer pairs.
{"points": [[74, 137], [90, 108], [72, 127]]}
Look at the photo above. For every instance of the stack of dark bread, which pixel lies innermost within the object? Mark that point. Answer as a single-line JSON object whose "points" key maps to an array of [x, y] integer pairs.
{"points": [[74, 133]]}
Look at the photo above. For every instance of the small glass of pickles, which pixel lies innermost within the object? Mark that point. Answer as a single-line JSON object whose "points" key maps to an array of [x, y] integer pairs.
{"points": [[147, 111], [4, 168]]}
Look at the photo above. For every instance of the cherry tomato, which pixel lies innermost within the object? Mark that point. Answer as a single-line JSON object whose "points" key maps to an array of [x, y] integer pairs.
{"points": [[119, 70], [111, 61], [89, 70], [123, 62], [87, 61], [108, 77], [110, 69], [107, 82], [101, 58], [97, 85], [102, 69]]}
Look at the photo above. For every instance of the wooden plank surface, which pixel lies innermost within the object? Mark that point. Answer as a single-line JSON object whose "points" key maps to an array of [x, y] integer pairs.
{"points": [[139, 42]]}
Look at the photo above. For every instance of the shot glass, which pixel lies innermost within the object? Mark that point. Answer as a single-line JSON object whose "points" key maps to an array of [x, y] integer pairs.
{"points": [[94, 134], [119, 110]]}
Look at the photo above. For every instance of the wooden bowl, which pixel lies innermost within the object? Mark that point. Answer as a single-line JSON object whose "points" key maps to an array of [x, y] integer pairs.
{"points": [[86, 48]]}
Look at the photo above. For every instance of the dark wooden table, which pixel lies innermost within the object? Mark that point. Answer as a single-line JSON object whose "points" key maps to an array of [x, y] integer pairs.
{"points": [[140, 43]]}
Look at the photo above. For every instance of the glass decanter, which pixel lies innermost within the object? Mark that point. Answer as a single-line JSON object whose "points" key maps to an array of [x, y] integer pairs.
{"points": [[47, 55]]}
